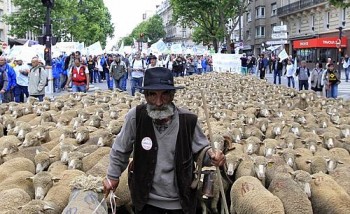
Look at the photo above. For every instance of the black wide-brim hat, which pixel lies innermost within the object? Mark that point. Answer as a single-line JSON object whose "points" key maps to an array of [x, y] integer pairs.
{"points": [[159, 78]]}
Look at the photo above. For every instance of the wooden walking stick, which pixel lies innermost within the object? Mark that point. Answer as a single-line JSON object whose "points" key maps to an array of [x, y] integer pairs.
{"points": [[222, 191]]}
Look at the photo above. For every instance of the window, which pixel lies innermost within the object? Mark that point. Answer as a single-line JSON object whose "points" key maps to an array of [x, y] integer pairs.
{"points": [[298, 25], [249, 16], [312, 22], [260, 12], [260, 31], [1, 14], [327, 18], [247, 34], [274, 9], [184, 33], [342, 17]]}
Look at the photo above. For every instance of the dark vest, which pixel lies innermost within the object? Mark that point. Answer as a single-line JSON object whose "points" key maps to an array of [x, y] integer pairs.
{"points": [[141, 171]]}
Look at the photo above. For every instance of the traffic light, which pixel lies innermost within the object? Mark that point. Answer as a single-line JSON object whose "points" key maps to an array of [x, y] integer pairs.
{"points": [[47, 55]]}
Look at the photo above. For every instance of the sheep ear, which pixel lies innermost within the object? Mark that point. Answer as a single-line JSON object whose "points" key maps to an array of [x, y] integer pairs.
{"points": [[303, 141], [340, 162], [298, 155], [292, 173], [55, 179], [37, 151], [47, 207], [240, 159], [308, 161], [20, 207], [19, 144], [30, 178], [52, 156], [86, 154]]}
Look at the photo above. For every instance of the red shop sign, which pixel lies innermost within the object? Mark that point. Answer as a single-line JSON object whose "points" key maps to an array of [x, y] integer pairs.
{"points": [[329, 42]]}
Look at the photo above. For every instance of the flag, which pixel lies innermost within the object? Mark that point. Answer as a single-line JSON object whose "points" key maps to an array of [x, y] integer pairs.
{"points": [[148, 40], [283, 55]]}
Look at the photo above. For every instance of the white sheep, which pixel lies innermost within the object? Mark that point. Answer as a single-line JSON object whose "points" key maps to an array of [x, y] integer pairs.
{"points": [[14, 165], [11, 199], [248, 196], [328, 196]]}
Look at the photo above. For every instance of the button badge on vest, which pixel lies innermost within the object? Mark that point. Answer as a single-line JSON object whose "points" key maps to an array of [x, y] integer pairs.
{"points": [[146, 143]]}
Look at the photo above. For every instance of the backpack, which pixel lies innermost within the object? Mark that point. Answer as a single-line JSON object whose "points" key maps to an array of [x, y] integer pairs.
{"points": [[46, 79], [143, 63]]}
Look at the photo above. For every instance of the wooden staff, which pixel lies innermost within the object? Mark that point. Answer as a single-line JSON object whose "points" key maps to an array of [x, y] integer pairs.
{"points": [[218, 173]]}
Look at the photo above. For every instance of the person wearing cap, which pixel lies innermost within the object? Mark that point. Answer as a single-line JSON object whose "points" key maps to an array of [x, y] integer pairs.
{"points": [[117, 71], [21, 89], [37, 80], [331, 81], [165, 140]]}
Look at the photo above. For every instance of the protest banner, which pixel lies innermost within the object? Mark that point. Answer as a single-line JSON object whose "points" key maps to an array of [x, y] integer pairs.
{"points": [[227, 63]]}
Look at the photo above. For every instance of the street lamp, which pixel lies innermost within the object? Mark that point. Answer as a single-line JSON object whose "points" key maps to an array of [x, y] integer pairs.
{"points": [[340, 28]]}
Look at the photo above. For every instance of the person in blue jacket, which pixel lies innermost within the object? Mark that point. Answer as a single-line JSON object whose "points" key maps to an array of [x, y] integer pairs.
{"points": [[11, 75]]}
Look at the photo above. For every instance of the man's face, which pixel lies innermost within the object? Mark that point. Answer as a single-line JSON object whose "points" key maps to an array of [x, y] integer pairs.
{"points": [[77, 62], [2, 61], [153, 62], [35, 62], [303, 64], [137, 56], [159, 103], [331, 67], [19, 62]]}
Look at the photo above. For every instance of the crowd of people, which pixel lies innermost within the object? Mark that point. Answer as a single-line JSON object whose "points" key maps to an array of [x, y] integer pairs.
{"points": [[323, 80]]}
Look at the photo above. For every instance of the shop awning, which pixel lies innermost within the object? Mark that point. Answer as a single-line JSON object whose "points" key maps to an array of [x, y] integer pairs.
{"points": [[328, 42]]}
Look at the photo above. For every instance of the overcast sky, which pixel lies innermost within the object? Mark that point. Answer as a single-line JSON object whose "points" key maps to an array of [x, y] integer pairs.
{"points": [[126, 14]]}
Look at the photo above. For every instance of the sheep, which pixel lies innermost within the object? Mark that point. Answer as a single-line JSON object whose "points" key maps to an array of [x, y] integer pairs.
{"points": [[317, 164], [249, 196], [339, 153], [9, 145], [274, 130], [270, 146], [312, 144], [303, 179], [86, 196], [345, 130], [91, 160], [57, 168], [100, 168], [23, 129], [253, 132], [301, 160], [329, 140], [289, 140], [42, 160], [252, 145], [262, 124], [60, 201], [328, 196], [11, 199], [75, 160], [42, 183], [94, 121], [99, 137], [289, 192], [18, 180], [16, 164], [341, 176], [65, 147], [289, 156], [28, 152], [31, 139]]}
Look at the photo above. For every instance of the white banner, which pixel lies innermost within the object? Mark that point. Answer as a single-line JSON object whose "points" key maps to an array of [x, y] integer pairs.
{"points": [[95, 49], [176, 49], [283, 55], [227, 62]]}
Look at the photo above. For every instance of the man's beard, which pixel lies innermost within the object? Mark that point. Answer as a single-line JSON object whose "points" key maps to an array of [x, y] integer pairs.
{"points": [[160, 113]]}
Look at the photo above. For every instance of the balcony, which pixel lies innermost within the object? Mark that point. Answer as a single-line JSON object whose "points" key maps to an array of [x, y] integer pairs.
{"points": [[298, 6]]}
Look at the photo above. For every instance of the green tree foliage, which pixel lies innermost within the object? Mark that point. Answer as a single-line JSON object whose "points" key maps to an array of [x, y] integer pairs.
{"points": [[152, 29], [209, 17], [88, 23], [340, 3]]}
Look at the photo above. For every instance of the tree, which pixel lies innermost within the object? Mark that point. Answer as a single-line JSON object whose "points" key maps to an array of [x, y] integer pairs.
{"points": [[209, 17], [88, 23], [152, 29], [340, 3]]}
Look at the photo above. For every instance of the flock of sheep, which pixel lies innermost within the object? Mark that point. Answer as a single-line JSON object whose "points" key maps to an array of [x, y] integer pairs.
{"points": [[286, 151]]}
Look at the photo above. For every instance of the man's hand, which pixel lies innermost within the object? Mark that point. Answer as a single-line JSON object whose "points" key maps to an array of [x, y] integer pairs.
{"points": [[2, 91], [217, 157], [108, 185]]}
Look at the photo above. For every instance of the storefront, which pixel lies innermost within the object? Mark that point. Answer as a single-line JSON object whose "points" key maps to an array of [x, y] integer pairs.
{"points": [[319, 49]]}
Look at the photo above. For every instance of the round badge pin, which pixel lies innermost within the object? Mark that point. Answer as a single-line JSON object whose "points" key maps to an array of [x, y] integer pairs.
{"points": [[146, 143]]}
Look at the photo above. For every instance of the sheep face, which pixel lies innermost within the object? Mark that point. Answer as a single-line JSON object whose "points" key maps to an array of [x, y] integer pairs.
{"points": [[114, 126], [75, 160], [303, 179], [22, 132], [42, 161], [113, 114], [17, 112], [289, 156], [345, 130], [9, 148], [260, 167], [82, 135], [311, 144], [252, 147], [332, 164], [232, 165], [95, 121], [328, 140], [31, 139], [42, 182], [65, 150]]}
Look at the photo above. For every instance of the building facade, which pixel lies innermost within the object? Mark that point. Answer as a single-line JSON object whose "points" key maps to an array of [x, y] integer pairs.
{"points": [[314, 28], [175, 33], [259, 20]]}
